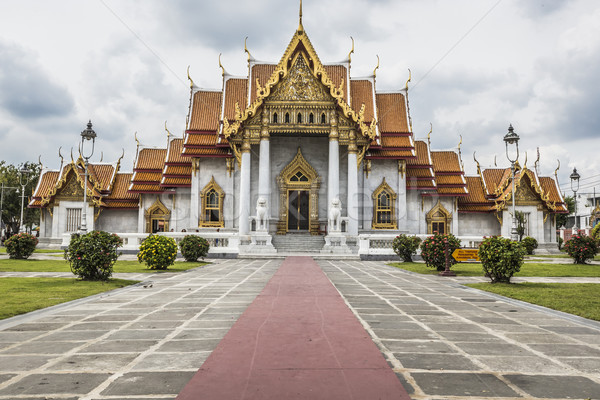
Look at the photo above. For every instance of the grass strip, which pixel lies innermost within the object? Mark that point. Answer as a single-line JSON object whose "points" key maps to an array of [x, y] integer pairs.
{"points": [[582, 299], [59, 265], [23, 295], [528, 269], [38, 251]]}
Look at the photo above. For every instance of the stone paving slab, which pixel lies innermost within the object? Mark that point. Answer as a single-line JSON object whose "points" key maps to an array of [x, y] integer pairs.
{"points": [[470, 345], [439, 330]]}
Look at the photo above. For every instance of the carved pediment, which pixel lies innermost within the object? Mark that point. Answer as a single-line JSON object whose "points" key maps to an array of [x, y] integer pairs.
{"points": [[300, 85], [524, 195], [72, 189]]}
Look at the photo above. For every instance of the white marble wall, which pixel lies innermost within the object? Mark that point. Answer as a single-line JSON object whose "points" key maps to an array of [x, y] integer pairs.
{"points": [[380, 169], [478, 224], [118, 221]]}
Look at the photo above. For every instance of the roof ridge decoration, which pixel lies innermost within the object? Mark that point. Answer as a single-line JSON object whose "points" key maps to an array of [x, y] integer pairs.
{"points": [[300, 43], [534, 183], [63, 180]]}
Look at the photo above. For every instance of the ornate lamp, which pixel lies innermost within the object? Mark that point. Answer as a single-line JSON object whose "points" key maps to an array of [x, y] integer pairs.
{"points": [[23, 181], [575, 187], [86, 135], [512, 138]]}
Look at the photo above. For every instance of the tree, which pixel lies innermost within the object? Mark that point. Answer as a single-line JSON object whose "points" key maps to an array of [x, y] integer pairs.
{"points": [[521, 223], [11, 204], [561, 219]]}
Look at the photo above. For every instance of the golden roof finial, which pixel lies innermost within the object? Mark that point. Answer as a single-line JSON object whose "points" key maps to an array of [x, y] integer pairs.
{"points": [[101, 156], [351, 51], [221, 65], [537, 162], [247, 51], [408, 80], [40, 162], [429, 135], [460, 154], [62, 160], [190, 78], [556, 172], [300, 27], [495, 165], [525, 163], [478, 166], [72, 160], [376, 68], [168, 133]]}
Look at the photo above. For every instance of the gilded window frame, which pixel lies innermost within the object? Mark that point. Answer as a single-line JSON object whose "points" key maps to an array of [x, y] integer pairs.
{"points": [[212, 185], [384, 187]]}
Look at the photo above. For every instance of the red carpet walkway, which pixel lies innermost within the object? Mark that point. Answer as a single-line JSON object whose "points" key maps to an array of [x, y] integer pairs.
{"points": [[297, 340]]}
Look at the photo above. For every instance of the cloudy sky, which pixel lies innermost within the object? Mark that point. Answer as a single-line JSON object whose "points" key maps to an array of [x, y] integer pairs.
{"points": [[477, 66]]}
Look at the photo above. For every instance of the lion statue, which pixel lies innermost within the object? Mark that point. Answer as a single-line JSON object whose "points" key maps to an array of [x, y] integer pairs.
{"points": [[335, 212], [261, 214]]}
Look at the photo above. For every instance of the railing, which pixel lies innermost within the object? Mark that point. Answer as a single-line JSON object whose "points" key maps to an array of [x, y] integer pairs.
{"points": [[220, 242], [381, 244]]}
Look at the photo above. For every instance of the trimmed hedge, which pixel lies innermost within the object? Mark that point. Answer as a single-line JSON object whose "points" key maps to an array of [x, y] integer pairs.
{"points": [[433, 250], [501, 258], [93, 255], [158, 252], [406, 246], [530, 244], [581, 248], [194, 247], [21, 245]]}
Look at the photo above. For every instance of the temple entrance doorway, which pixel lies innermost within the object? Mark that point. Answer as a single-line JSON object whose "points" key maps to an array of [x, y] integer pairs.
{"points": [[298, 210]]}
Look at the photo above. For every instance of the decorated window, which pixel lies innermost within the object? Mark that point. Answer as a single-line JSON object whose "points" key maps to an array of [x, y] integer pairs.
{"points": [[212, 205], [438, 220], [384, 207], [157, 217], [73, 219]]}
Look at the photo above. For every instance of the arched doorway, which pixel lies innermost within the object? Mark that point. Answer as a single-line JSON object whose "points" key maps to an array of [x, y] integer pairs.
{"points": [[298, 197]]}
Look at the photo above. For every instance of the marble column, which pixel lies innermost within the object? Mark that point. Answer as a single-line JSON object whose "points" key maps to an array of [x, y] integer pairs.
{"points": [[195, 193], [352, 202], [264, 169], [245, 187], [401, 197], [333, 179]]}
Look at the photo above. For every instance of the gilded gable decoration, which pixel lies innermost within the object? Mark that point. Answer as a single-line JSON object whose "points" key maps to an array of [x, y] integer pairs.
{"points": [[212, 205], [438, 219], [157, 217], [384, 207]]}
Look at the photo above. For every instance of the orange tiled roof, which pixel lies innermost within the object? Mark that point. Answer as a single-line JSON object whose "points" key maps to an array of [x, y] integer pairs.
{"points": [[103, 173], [206, 111], [46, 184], [449, 180], [551, 189], [144, 188], [402, 142], [475, 207], [176, 181], [419, 173], [174, 153], [123, 204], [451, 191], [446, 162], [149, 177], [361, 92], [211, 152], [422, 153], [262, 72], [400, 154], [476, 192], [177, 170], [493, 178], [391, 110], [149, 159], [119, 190], [338, 75], [414, 183], [204, 139], [236, 91]]}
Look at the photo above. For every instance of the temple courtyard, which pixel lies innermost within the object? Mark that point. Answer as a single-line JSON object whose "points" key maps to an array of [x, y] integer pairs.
{"points": [[298, 328]]}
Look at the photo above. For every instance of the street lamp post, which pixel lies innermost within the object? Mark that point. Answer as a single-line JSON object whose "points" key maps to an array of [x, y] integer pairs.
{"points": [[575, 187], [512, 138], [86, 135], [23, 181]]}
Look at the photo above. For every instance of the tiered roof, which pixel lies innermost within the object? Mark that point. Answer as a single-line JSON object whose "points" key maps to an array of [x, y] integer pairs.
{"points": [[177, 171], [106, 186], [419, 170], [449, 176], [147, 173]]}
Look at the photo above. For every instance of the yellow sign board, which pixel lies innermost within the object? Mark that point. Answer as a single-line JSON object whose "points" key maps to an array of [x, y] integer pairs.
{"points": [[465, 255]]}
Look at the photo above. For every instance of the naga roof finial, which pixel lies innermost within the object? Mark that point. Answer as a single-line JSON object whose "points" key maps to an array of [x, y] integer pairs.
{"points": [[537, 162], [221, 66], [300, 27], [168, 133], [40, 162], [376, 68], [101, 156], [351, 51], [190, 78], [460, 154], [429, 135], [556, 172], [408, 80], [478, 166], [250, 58]]}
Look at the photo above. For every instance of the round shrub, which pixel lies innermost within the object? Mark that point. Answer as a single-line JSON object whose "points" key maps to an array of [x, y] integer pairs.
{"points": [[193, 247], [93, 255], [406, 246], [433, 250], [581, 248], [21, 245], [501, 258], [158, 252], [530, 244]]}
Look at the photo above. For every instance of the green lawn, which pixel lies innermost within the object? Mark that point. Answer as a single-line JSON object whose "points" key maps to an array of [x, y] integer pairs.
{"points": [[528, 269], [60, 265], [22, 295], [38, 251], [581, 299]]}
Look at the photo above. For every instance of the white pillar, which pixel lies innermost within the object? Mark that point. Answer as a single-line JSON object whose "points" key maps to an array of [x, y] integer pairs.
{"points": [[245, 188], [402, 213], [141, 216], [333, 181], [195, 193], [264, 168], [352, 202]]}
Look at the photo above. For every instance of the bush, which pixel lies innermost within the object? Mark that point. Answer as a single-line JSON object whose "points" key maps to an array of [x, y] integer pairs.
{"points": [[596, 232], [93, 255], [193, 247], [406, 246], [21, 245], [158, 252], [581, 248], [501, 258], [530, 244], [433, 250]]}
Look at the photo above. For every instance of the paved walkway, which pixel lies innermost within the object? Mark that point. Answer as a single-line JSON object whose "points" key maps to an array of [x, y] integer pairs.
{"points": [[443, 341]]}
